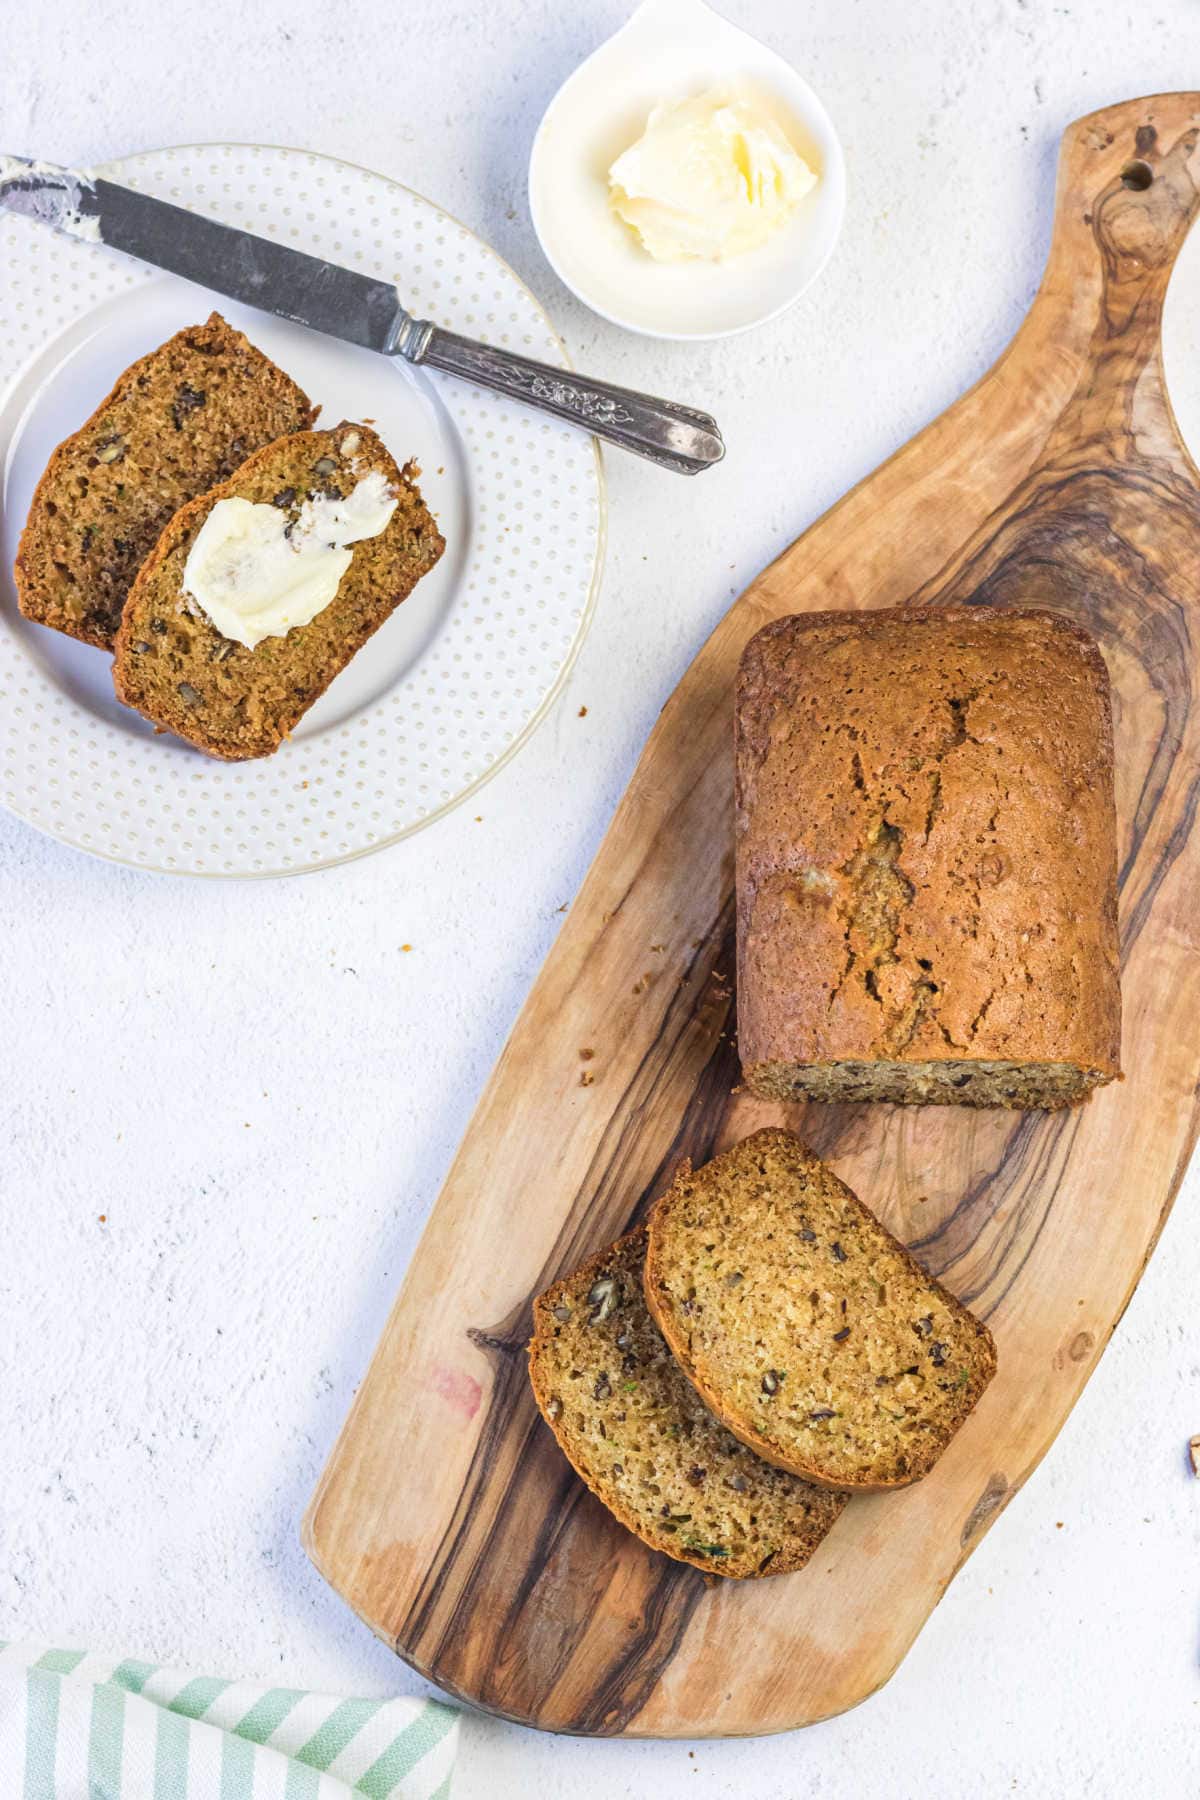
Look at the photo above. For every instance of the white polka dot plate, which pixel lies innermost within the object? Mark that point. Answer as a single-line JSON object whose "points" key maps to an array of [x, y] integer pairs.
{"points": [[460, 675]]}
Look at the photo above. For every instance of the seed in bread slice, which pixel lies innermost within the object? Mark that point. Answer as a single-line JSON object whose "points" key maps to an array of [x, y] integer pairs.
{"points": [[805, 1326], [637, 1433], [177, 422], [172, 663]]}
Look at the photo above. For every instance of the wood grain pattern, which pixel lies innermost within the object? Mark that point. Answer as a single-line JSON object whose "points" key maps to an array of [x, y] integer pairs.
{"points": [[447, 1516]]}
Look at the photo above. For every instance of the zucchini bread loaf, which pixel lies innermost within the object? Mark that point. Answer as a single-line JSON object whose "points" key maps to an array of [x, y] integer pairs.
{"points": [[637, 1432], [177, 422], [804, 1325], [926, 859], [320, 519]]}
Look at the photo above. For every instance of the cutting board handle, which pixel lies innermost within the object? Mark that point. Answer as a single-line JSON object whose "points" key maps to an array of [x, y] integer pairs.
{"points": [[1128, 190]]}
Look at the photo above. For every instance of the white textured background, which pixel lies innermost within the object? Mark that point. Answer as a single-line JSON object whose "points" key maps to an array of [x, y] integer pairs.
{"points": [[261, 1092]]}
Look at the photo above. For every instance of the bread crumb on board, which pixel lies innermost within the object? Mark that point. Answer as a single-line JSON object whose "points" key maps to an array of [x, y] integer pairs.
{"points": [[1194, 1453]]}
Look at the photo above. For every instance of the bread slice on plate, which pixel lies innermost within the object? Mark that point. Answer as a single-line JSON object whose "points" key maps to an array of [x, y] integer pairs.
{"points": [[173, 664], [638, 1434], [805, 1326], [178, 421]]}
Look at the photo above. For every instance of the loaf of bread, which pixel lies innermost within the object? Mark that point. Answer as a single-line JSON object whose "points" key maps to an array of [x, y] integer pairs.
{"points": [[177, 422], [172, 664], [926, 859], [637, 1432], [804, 1325]]}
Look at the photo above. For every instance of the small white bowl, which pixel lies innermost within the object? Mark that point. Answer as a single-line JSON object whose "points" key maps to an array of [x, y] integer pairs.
{"points": [[671, 49]]}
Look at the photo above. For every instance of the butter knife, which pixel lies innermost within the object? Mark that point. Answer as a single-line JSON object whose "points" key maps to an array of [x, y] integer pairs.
{"points": [[344, 304]]}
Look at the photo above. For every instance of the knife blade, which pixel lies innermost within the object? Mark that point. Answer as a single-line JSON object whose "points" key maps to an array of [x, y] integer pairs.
{"points": [[254, 270], [341, 303]]}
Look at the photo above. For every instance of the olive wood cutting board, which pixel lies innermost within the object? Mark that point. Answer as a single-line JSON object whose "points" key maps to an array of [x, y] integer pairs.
{"points": [[447, 1515]]}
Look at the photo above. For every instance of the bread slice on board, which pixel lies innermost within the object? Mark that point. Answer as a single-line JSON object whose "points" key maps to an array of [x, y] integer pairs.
{"points": [[180, 420], [172, 663], [638, 1434], [805, 1326]]}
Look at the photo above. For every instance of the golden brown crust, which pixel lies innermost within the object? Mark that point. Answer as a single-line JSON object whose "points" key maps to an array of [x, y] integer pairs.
{"points": [[176, 421], [172, 665], [806, 1514], [670, 1311], [926, 855]]}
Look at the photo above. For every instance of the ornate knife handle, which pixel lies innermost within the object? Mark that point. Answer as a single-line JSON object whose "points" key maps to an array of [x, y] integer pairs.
{"points": [[677, 437]]}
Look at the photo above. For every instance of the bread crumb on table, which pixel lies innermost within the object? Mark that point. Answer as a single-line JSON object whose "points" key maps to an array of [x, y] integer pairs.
{"points": [[1194, 1454]]}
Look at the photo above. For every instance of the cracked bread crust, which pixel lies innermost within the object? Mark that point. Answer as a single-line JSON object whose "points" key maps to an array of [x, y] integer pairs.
{"points": [[926, 859]]}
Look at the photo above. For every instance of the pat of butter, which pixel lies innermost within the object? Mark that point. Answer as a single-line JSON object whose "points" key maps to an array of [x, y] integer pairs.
{"points": [[709, 177], [257, 574]]}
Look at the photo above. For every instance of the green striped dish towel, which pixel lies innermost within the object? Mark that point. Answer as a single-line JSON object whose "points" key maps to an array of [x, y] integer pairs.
{"points": [[80, 1727]]}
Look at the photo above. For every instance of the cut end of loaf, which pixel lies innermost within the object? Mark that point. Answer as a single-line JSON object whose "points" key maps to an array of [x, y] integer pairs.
{"points": [[1034, 1086]]}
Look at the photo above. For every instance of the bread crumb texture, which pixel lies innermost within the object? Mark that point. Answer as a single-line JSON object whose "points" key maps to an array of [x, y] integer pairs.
{"points": [[806, 1327], [178, 421], [641, 1438], [172, 663], [926, 859]]}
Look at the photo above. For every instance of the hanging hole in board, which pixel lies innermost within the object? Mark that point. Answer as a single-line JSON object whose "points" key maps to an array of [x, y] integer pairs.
{"points": [[1138, 176]]}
